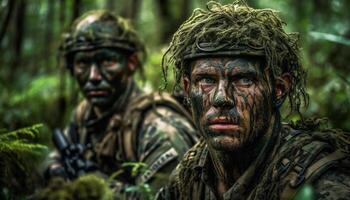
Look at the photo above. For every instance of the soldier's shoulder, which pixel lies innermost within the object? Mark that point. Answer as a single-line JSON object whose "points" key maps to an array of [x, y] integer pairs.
{"points": [[160, 112], [306, 152], [333, 184], [158, 101], [312, 132]]}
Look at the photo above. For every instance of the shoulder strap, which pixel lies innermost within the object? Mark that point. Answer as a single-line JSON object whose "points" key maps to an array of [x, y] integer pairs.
{"points": [[80, 112], [314, 156], [312, 172], [78, 118], [135, 113]]}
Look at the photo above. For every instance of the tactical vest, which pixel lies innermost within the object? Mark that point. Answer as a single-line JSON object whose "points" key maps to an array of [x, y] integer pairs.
{"points": [[302, 156], [120, 139]]}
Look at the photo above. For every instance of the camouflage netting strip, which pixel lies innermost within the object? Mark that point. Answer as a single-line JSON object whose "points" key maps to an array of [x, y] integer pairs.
{"points": [[238, 26]]}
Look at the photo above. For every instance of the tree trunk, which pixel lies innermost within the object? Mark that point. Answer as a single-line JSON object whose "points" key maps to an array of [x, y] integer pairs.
{"points": [[18, 34], [168, 21], [131, 10], [76, 9], [48, 33], [110, 5], [62, 14], [135, 9], [6, 21]]}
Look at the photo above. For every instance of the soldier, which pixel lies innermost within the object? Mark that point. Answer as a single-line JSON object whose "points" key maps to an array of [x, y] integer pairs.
{"points": [[238, 66], [116, 119]]}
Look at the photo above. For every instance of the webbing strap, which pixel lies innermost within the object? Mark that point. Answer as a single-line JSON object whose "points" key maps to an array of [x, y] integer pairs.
{"points": [[312, 172]]}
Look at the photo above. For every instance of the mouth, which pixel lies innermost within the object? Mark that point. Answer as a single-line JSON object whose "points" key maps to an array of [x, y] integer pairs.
{"points": [[223, 124], [97, 93]]}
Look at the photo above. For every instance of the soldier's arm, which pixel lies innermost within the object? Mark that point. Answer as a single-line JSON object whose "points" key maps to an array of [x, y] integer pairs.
{"points": [[333, 184], [164, 138]]}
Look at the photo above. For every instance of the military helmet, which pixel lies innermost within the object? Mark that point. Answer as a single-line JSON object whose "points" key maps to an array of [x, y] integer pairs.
{"points": [[99, 29]]}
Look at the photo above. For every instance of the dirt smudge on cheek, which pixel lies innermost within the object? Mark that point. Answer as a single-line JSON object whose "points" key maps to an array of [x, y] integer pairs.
{"points": [[197, 103]]}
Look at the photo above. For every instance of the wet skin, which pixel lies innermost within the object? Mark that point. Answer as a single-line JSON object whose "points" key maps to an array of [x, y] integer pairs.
{"points": [[231, 100], [102, 75]]}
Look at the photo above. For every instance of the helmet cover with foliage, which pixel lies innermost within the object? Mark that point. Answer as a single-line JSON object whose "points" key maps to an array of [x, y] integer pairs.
{"points": [[234, 30], [101, 29]]}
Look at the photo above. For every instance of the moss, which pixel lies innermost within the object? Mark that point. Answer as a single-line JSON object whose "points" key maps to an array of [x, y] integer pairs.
{"points": [[87, 187]]}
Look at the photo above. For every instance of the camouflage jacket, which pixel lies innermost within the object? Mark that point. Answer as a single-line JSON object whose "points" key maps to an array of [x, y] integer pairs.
{"points": [[287, 163], [149, 128]]}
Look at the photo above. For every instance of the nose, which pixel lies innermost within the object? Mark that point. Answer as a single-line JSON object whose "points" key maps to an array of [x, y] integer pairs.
{"points": [[95, 75], [221, 98]]}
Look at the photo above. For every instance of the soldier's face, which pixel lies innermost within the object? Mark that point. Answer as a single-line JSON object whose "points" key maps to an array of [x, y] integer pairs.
{"points": [[102, 75], [231, 100]]}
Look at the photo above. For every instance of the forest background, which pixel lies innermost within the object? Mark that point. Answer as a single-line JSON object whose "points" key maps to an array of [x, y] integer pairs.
{"points": [[35, 87]]}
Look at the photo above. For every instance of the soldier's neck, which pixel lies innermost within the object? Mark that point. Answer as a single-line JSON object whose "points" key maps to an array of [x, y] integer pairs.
{"points": [[230, 166]]}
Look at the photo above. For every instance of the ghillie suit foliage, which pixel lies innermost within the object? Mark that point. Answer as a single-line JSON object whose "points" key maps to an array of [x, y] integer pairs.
{"points": [[19, 156], [238, 30]]}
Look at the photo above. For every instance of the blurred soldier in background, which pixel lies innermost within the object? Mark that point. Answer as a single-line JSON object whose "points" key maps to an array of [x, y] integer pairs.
{"points": [[116, 122]]}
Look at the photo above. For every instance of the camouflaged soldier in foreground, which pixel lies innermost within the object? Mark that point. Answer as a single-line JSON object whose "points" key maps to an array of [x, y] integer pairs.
{"points": [[238, 67], [116, 119]]}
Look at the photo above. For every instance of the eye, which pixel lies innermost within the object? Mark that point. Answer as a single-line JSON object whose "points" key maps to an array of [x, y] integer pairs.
{"points": [[206, 80], [108, 63], [81, 64], [206, 83], [244, 81]]}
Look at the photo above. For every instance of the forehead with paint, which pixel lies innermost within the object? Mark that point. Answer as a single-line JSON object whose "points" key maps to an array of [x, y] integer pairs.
{"points": [[251, 67], [231, 99]]}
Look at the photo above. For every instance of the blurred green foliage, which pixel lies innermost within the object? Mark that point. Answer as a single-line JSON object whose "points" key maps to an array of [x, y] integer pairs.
{"points": [[20, 154], [305, 193]]}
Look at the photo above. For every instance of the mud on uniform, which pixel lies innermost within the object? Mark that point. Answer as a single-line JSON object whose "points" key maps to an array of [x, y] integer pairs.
{"points": [[149, 128], [289, 161]]}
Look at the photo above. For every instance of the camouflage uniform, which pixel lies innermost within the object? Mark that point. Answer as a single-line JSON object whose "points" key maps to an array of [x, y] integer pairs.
{"points": [[289, 161], [150, 128]]}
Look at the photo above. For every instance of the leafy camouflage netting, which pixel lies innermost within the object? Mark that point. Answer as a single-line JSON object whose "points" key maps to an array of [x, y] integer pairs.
{"points": [[236, 29]]}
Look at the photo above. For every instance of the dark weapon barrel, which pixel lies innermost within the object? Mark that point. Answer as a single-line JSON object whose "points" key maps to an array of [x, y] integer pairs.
{"points": [[60, 141]]}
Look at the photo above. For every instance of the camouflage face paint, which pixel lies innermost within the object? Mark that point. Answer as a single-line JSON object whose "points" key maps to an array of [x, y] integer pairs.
{"points": [[102, 75], [231, 100]]}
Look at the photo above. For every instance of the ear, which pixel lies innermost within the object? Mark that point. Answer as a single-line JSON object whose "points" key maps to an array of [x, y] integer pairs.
{"points": [[186, 84], [133, 63], [282, 88]]}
